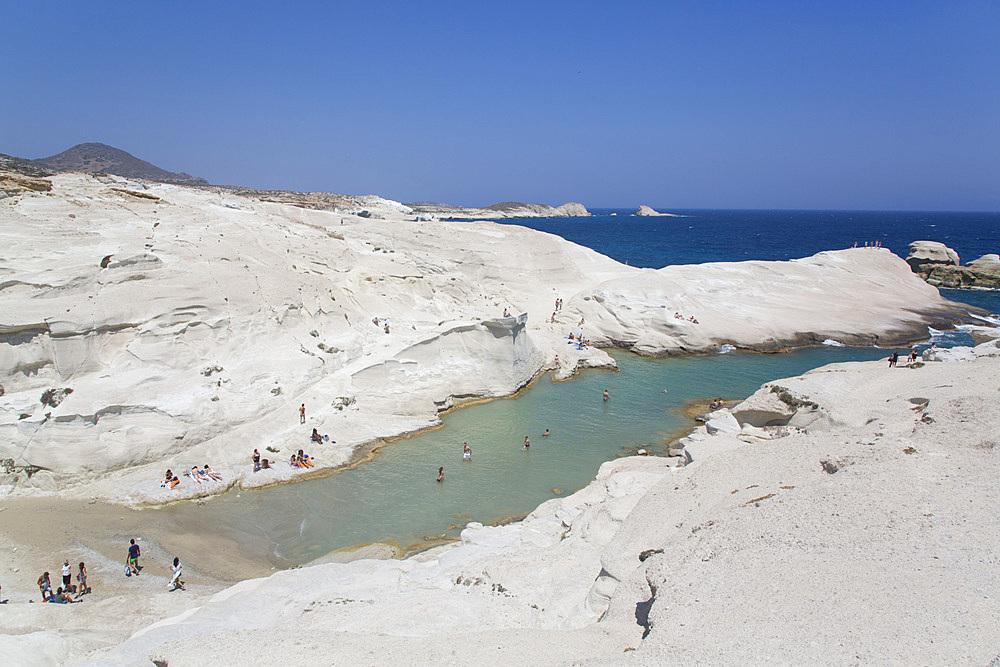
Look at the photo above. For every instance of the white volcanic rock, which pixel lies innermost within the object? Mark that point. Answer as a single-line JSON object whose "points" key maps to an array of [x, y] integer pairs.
{"points": [[647, 211], [990, 262], [179, 326], [924, 254], [762, 305], [572, 210], [871, 539]]}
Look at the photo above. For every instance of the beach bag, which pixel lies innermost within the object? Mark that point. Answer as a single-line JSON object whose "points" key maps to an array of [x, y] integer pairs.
{"points": [[128, 570]]}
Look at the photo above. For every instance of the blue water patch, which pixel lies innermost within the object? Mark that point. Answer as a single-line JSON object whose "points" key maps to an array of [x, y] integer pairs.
{"points": [[705, 235]]}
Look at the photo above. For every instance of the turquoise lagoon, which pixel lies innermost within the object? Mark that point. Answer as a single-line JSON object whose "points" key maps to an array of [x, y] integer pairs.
{"points": [[396, 499]]}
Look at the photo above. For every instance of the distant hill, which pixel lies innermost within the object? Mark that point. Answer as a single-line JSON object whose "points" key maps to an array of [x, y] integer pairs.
{"points": [[22, 166], [104, 159]]}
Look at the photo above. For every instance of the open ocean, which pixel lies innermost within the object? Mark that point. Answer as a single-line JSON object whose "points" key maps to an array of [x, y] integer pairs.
{"points": [[710, 235]]}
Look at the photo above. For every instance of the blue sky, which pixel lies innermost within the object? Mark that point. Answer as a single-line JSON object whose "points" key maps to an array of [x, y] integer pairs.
{"points": [[866, 105]]}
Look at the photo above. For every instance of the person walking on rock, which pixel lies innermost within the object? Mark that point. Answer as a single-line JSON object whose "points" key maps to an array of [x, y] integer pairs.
{"points": [[176, 582], [133, 557]]}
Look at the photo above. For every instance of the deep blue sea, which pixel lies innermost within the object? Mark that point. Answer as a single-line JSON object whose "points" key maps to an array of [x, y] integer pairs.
{"points": [[710, 235]]}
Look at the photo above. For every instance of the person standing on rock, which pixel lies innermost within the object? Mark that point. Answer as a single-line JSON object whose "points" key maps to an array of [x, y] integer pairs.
{"points": [[302, 414], [256, 460], [67, 573]]}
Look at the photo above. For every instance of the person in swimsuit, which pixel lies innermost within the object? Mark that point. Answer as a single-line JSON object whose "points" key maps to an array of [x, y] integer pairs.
{"points": [[316, 437], [440, 477], [45, 586], [211, 473], [256, 460], [527, 443], [466, 452], [546, 433], [81, 579], [607, 396], [302, 414], [265, 465]]}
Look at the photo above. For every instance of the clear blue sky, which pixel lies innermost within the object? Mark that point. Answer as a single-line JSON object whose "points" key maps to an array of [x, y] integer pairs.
{"points": [[856, 105]]}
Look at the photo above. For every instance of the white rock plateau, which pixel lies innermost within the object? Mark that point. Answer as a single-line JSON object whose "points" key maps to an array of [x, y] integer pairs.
{"points": [[158, 326], [846, 515]]}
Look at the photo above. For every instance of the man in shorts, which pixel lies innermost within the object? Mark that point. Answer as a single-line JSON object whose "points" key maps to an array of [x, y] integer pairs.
{"points": [[133, 557]]}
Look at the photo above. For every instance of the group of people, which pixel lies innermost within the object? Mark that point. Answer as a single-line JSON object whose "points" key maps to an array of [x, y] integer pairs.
{"points": [[384, 322], [133, 568], [870, 244], [894, 358], [300, 460], [205, 474], [199, 475], [678, 316], [467, 452], [714, 405], [64, 594]]}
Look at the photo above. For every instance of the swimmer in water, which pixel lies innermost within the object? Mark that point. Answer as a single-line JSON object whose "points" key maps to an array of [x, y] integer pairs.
{"points": [[527, 443], [466, 452], [546, 433], [441, 474], [607, 396]]}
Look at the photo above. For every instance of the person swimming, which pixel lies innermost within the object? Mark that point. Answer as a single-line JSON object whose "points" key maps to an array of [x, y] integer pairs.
{"points": [[527, 443], [546, 433], [466, 452], [440, 476], [607, 396]]}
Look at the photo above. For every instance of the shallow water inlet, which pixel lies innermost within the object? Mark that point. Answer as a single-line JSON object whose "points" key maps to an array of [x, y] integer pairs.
{"points": [[395, 498]]}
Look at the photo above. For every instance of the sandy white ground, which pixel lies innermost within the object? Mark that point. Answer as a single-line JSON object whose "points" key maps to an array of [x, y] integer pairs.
{"points": [[215, 316]]}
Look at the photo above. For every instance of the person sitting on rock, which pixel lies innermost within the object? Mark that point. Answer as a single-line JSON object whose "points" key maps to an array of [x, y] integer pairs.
{"points": [[316, 437], [265, 465], [294, 461], [304, 460]]}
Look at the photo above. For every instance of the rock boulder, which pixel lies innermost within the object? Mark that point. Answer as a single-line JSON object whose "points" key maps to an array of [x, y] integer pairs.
{"points": [[990, 262], [925, 255]]}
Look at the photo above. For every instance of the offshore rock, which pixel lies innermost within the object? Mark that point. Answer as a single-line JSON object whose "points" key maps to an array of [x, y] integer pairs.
{"points": [[926, 254]]}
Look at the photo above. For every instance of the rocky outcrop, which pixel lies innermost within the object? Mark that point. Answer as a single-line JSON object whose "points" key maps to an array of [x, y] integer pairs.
{"points": [[647, 211], [989, 262], [12, 183], [926, 254], [939, 265], [507, 209], [572, 210]]}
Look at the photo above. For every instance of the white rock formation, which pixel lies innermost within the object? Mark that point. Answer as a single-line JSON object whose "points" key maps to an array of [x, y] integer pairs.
{"points": [[647, 211], [874, 540], [158, 326], [924, 254], [990, 262]]}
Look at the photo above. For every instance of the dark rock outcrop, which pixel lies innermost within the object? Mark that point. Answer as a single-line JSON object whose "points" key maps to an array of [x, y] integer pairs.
{"points": [[939, 266]]}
